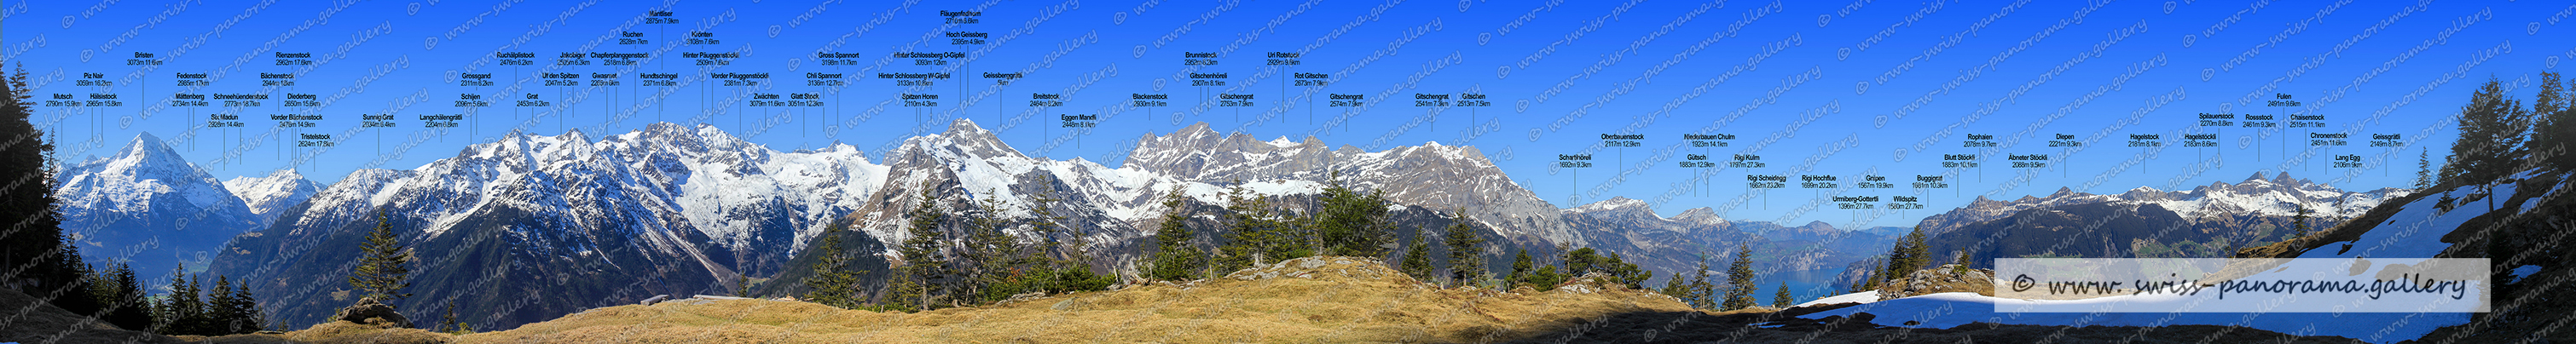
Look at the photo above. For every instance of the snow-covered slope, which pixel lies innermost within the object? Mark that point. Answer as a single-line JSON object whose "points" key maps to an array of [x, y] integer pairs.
{"points": [[2417, 228], [269, 195], [666, 209], [149, 205]]}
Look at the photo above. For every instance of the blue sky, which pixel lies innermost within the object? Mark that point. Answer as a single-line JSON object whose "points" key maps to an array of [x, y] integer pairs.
{"points": [[1825, 88]]}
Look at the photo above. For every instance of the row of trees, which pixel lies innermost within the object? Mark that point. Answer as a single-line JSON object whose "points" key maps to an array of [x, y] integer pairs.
{"points": [[985, 265], [1912, 252], [982, 265], [1699, 292], [1345, 222], [2499, 136]]}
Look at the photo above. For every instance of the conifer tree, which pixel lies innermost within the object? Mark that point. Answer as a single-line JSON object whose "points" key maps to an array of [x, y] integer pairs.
{"points": [[1174, 257], [1962, 263], [1464, 264], [922, 270], [123, 298], [221, 307], [2553, 125], [1352, 223], [1417, 257], [1782, 299], [2423, 170], [2491, 131], [2299, 219], [1254, 237], [1520, 271], [833, 284], [181, 312], [448, 323], [1626, 273], [246, 316], [1703, 294], [990, 253], [32, 245], [1048, 226], [1546, 278], [384, 265], [1676, 288], [1908, 255], [1739, 279], [1071, 270]]}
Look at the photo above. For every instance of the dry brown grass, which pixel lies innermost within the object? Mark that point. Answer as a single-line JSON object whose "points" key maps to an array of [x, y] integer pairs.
{"points": [[1341, 300]]}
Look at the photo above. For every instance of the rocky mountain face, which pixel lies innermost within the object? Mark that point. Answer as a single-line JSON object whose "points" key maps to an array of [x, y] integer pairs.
{"points": [[578, 222], [269, 195], [150, 207], [1430, 175], [679, 210]]}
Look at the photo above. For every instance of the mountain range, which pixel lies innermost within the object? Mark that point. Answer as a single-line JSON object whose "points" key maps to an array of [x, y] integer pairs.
{"points": [[2204, 222], [673, 209]]}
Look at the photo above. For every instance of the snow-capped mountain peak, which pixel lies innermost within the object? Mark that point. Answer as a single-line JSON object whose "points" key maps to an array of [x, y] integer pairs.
{"points": [[149, 205], [2258, 195], [268, 195], [144, 172]]}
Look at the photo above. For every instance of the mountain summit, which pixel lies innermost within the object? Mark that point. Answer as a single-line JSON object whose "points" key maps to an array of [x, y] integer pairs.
{"points": [[149, 205]]}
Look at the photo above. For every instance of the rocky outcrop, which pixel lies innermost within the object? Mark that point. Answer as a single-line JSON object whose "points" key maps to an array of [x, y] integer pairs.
{"points": [[1943, 279], [370, 312]]}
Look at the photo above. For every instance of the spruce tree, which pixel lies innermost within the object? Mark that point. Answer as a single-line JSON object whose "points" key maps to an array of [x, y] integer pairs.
{"points": [[990, 254], [2491, 128], [1520, 271], [1909, 254], [123, 298], [1352, 223], [1676, 288], [1174, 257], [921, 271], [383, 268], [1546, 278], [1417, 257], [1739, 279], [182, 312], [2299, 219], [220, 307], [447, 322], [1963, 263], [247, 317], [2552, 126], [230, 309], [1629, 273], [32, 245], [2423, 169], [1464, 264], [1250, 242], [1782, 299], [1070, 269], [1049, 226], [1703, 294], [833, 284]]}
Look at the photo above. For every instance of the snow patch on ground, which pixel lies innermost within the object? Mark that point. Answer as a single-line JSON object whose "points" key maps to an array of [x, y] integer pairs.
{"points": [[1946, 310], [1860, 297]]}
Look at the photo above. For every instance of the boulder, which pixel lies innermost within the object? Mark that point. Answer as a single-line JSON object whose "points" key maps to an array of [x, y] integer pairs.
{"points": [[370, 312]]}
